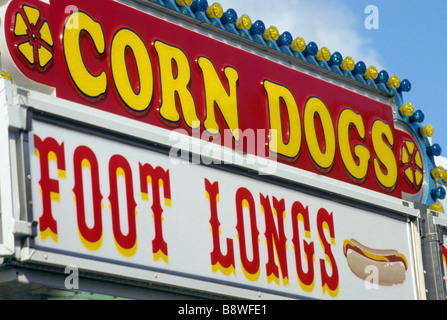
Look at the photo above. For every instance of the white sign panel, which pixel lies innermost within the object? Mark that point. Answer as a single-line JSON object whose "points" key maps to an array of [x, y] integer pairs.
{"points": [[112, 201]]}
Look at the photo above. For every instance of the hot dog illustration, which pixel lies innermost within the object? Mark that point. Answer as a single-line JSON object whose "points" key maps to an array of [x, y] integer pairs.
{"points": [[389, 263]]}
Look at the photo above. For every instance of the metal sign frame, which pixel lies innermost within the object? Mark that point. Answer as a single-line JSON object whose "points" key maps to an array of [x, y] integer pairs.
{"points": [[21, 106], [434, 255]]}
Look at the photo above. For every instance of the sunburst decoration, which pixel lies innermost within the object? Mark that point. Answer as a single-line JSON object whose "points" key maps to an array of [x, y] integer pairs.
{"points": [[34, 39]]}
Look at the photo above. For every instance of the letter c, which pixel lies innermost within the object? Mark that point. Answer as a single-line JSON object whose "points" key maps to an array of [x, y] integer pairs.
{"points": [[90, 85]]}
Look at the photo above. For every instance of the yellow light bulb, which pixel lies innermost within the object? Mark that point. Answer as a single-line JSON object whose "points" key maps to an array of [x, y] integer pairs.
{"points": [[214, 11], [323, 54], [183, 2], [426, 131], [439, 173], [5, 75], [243, 22], [406, 109], [271, 33], [436, 207], [347, 64], [371, 73], [298, 44], [393, 82]]}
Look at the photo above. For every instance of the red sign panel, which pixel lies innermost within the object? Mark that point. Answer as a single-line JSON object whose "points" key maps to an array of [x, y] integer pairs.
{"points": [[133, 64]]}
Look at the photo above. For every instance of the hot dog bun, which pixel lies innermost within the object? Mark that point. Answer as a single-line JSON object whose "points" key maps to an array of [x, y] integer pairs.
{"points": [[389, 264]]}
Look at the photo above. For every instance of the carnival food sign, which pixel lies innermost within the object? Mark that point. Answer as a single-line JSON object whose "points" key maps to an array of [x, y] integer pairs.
{"points": [[131, 63], [113, 91]]}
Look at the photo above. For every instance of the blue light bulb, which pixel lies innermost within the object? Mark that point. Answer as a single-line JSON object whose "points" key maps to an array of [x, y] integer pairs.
{"points": [[230, 16], [418, 116], [359, 68], [258, 27], [311, 49], [382, 77], [438, 193], [285, 39], [405, 85], [434, 150], [199, 5], [335, 59]]}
